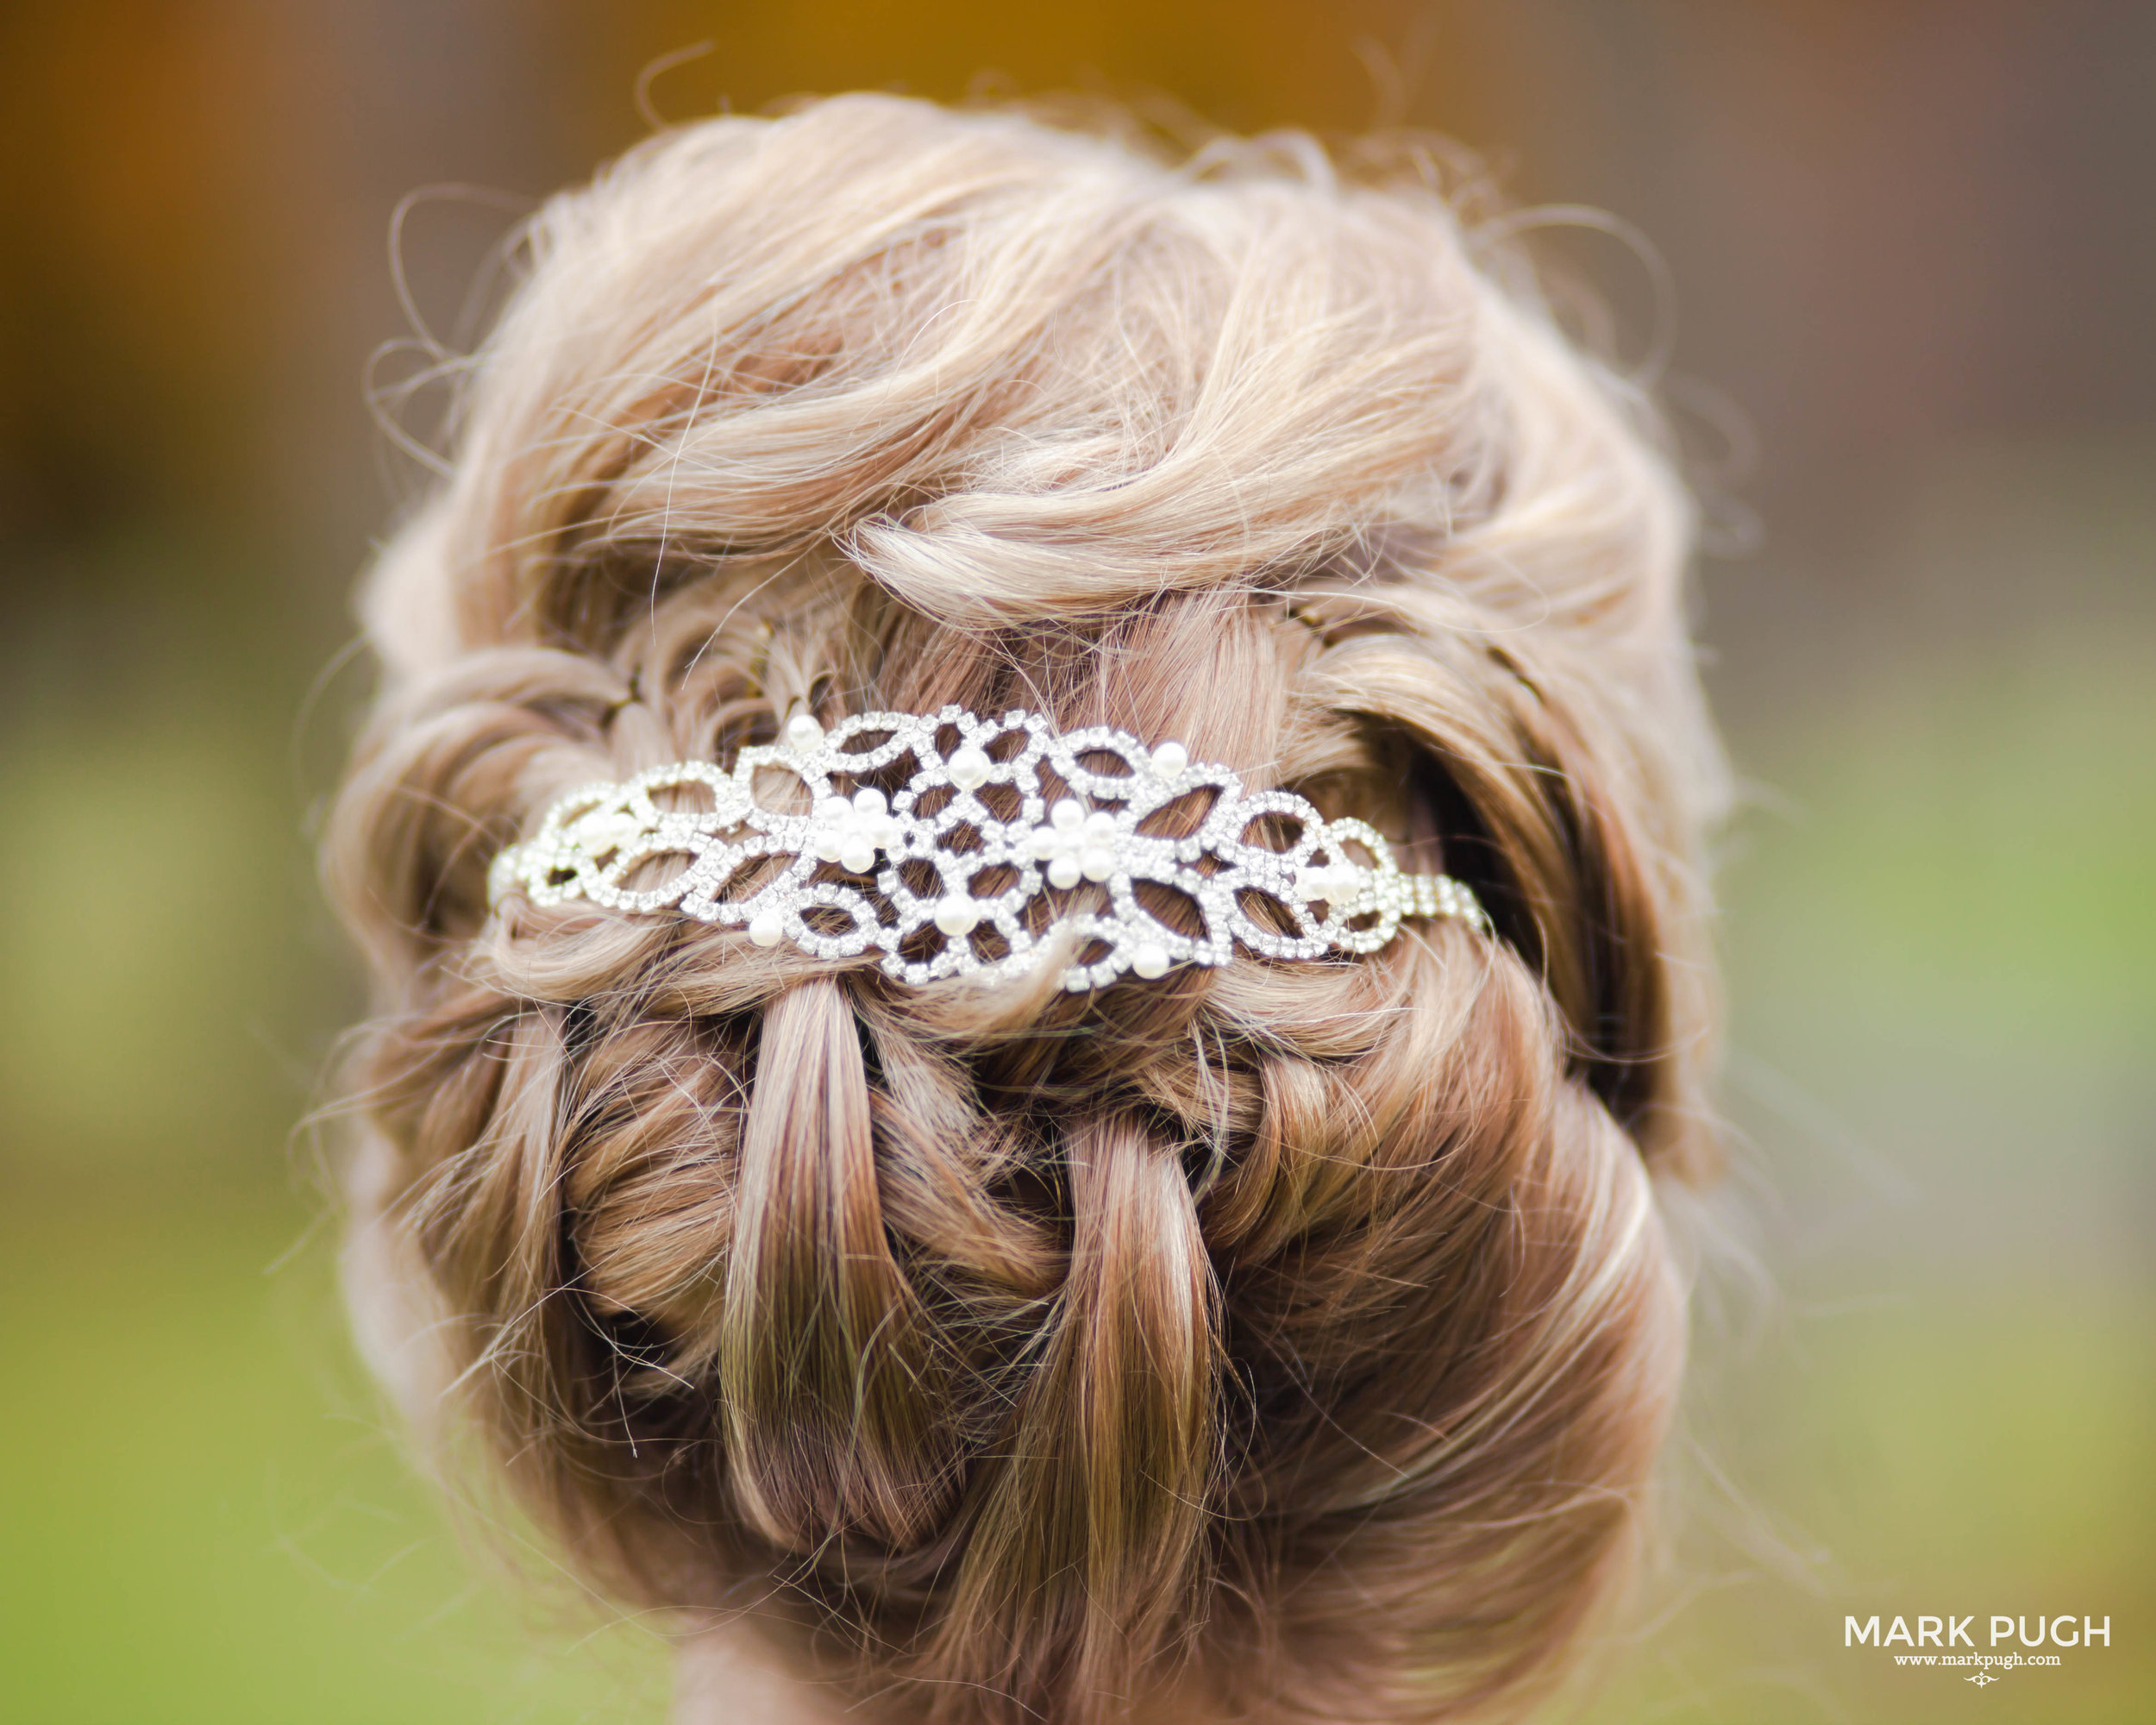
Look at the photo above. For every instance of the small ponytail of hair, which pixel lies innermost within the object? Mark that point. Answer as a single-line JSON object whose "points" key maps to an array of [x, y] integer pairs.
{"points": [[824, 1372], [1092, 1558]]}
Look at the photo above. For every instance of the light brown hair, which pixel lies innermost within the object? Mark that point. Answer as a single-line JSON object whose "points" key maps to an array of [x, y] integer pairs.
{"points": [[1293, 1337]]}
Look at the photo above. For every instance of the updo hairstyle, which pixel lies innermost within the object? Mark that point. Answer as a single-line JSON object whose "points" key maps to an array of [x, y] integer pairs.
{"points": [[1277, 1340]]}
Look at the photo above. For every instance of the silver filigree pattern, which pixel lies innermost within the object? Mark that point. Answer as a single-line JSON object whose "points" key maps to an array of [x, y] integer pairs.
{"points": [[937, 876]]}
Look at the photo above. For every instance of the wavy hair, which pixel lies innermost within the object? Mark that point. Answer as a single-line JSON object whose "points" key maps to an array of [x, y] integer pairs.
{"points": [[1294, 1339]]}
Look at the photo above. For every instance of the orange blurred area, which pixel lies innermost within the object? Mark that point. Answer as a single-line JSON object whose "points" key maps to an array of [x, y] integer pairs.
{"points": [[1890, 263]]}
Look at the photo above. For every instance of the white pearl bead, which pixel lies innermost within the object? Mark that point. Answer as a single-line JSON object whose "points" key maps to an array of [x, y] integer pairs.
{"points": [[1096, 863], [767, 929], [859, 856], [1150, 960], [829, 847], [870, 802], [968, 767], [957, 917], [1063, 871], [1100, 827], [1169, 759], [1067, 816], [1334, 883], [803, 733], [599, 833]]}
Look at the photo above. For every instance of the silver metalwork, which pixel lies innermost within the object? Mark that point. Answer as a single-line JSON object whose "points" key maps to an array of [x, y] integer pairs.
{"points": [[844, 889]]}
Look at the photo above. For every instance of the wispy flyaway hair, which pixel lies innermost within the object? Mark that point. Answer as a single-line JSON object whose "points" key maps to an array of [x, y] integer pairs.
{"points": [[1283, 1340]]}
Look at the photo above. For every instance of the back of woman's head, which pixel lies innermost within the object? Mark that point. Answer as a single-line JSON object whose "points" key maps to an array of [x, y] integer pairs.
{"points": [[1275, 1337]]}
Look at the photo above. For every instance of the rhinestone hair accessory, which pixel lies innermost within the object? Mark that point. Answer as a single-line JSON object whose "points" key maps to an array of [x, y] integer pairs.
{"points": [[938, 875]]}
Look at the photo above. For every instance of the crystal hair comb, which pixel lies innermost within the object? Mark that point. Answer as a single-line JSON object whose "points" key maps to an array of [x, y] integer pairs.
{"points": [[938, 875]]}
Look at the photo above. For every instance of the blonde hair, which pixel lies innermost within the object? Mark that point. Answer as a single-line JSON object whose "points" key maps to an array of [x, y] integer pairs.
{"points": [[1296, 1337]]}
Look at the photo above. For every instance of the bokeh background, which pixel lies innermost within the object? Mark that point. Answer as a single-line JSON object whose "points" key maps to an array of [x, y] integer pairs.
{"points": [[1896, 263]]}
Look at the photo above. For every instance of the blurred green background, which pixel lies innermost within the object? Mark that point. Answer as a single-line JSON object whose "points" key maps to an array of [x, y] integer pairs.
{"points": [[1914, 363]]}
